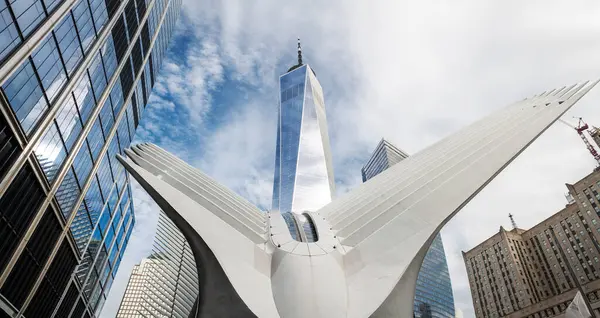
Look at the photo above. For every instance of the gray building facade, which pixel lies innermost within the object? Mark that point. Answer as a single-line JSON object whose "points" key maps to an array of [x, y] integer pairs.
{"points": [[75, 76], [433, 294]]}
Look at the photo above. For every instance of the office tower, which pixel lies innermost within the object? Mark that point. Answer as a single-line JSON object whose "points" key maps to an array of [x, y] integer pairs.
{"points": [[303, 178], [131, 304], [370, 243], [384, 156], [433, 295], [166, 283], [75, 76], [537, 272]]}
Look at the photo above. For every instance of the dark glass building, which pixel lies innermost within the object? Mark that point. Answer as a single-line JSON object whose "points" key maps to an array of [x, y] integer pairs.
{"points": [[75, 76], [433, 294]]}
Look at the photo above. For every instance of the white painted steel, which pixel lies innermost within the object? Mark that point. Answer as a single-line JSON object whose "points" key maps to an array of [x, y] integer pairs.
{"points": [[372, 240]]}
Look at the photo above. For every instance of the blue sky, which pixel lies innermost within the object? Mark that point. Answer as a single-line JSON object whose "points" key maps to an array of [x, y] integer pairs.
{"points": [[412, 73]]}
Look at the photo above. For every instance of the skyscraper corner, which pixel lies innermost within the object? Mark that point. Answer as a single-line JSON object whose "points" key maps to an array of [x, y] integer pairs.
{"points": [[75, 77]]}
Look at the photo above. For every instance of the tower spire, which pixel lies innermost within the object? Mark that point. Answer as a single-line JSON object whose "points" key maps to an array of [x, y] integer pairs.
{"points": [[512, 221], [299, 53]]}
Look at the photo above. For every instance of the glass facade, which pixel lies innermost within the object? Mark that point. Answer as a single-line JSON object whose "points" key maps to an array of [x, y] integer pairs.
{"points": [[433, 294], [166, 283], [67, 108], [303, 178]]}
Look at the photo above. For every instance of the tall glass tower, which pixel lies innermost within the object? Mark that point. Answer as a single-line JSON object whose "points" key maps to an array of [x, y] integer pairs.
{"points": [[303, 168], [433, 294], [75, 76]]}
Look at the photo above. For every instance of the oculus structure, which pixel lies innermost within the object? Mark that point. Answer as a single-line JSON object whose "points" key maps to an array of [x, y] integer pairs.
{"points": [[357, 256]]}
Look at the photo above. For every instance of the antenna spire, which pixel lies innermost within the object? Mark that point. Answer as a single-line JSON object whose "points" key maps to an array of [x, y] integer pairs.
{"points": [[299, 53], [512, 221]]}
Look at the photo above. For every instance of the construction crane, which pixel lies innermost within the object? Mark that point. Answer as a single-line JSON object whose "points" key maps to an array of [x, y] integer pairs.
{"points": [[581, 127]]}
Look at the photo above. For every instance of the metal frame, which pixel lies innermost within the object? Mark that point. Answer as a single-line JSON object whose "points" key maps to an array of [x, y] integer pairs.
{"points": [[84, 133]]}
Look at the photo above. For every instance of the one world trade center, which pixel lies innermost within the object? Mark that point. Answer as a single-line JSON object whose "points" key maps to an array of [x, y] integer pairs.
{"points": [[303, 169]]}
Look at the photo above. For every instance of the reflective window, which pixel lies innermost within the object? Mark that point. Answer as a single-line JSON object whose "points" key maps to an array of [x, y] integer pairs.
{"points": [[121, 232], [116, 98], [25, 96], [9, 38], [123, 134], [81, 227], [109, 57], [69, 123], [113, 149], [68, 43], [130, 120], [49, 67], [113, 198], [104, 220], [84, 98], [51, 152], [94, 201], [99, 13], [110, 234], [106, 117], [83, 21], [97, 77], [104, 177], [95, 139], [83, 164], [29, 14], [113, 254], [67, 193]]}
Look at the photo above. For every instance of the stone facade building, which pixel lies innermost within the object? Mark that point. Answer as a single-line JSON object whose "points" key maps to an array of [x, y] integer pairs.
{"points": [[536, 273]]}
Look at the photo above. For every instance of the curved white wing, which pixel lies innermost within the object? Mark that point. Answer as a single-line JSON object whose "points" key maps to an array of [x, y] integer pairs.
{"points": [[386, 225]]}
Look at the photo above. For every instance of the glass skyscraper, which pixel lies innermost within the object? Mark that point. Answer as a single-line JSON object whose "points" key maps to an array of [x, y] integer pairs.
{"points": [[75, 76], [303, 168], [433, 294], [166, 283]]}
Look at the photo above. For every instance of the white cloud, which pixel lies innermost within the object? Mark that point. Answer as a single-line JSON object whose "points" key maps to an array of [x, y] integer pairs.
{"points": [[411, 72], [240, 154]]}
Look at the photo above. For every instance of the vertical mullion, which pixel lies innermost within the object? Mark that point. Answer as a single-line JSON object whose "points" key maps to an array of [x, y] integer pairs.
{"points": [[77, 33], [14, 18], [92, 17], [62, 60], [39, 79]]}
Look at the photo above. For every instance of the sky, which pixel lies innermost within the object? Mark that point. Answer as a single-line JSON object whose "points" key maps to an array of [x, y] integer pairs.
{"points": [[412, 72]]}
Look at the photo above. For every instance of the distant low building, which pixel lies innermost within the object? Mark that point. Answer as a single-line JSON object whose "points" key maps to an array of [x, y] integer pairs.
{"points": [[536, 272]]}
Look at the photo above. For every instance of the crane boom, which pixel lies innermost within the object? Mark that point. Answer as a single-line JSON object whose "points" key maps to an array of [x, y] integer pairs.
{"points": [[580, 128]]}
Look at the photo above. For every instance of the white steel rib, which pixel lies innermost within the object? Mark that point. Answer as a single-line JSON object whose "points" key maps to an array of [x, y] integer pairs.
{"points": [[371, 241]]}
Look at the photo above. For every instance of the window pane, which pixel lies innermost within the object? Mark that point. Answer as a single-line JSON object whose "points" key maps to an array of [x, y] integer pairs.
{"points": [[50, 152], [84, 98], [96, 71], [67, 194], [83, 164], [25, 96], [69, 122], [9, 38], [47, 62], [29, 14], [83, 21], [68, 43], [81, 227]]}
